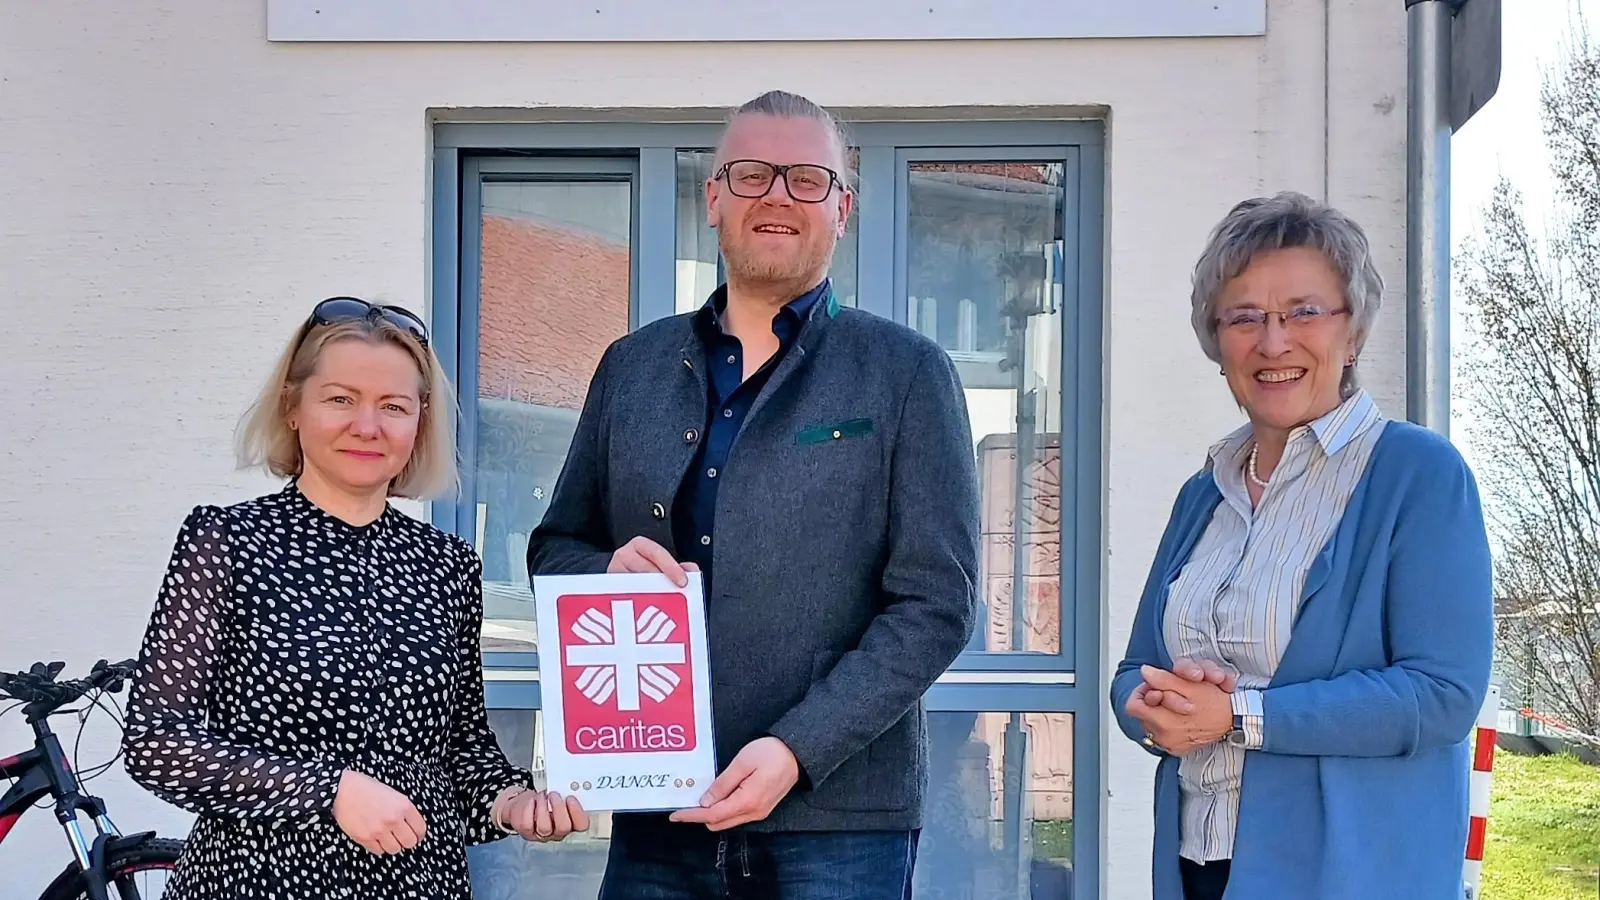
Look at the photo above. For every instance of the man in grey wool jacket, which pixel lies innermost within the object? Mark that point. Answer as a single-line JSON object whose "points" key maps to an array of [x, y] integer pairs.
{"points": [[816, 464]]}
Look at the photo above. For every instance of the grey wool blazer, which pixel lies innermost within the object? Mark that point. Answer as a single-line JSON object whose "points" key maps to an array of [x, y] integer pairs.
{"points": [[846, 557]]}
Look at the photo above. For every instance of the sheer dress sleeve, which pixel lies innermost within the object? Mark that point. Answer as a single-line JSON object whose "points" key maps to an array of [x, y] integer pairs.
{"points": [[169, 750], [477, 766]]}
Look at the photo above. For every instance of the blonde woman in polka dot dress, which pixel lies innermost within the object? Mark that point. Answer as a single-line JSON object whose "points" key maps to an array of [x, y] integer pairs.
{"points": [[310, 681]]}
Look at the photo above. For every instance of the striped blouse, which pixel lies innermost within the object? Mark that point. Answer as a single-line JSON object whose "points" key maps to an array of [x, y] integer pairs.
{"points": [[1235, 601]]}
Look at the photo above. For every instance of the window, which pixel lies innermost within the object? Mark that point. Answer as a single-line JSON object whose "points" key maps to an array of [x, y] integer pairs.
{"points": [[554, 240], [981, 247], [553, 265]]}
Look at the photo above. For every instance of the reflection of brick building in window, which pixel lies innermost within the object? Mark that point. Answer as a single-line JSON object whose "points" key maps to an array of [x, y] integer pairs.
{"points": [[1033, 173], [1041, 536], [1049, 790], [1050, 751], [552, 300]]}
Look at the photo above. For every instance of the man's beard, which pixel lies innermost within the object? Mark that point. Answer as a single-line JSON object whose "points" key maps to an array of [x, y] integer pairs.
{"points": [[747, 267]]}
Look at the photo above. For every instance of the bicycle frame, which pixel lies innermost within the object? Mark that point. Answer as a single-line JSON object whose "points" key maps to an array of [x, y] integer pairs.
{"points": [[44, 771], [13, 767]]}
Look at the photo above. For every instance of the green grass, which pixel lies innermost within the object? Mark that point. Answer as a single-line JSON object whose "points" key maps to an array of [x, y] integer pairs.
{"points": [[1544, 830], [1052, 839]]}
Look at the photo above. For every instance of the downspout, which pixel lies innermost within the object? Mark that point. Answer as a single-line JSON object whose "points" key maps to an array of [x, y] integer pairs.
{"points": [[1428, 24]]}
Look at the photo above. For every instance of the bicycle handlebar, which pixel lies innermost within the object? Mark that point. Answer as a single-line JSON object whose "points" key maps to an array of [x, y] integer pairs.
{"points": [[43, 694]]}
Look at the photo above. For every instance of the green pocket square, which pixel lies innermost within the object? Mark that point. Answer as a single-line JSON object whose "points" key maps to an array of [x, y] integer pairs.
{"points": [[849, 428]]}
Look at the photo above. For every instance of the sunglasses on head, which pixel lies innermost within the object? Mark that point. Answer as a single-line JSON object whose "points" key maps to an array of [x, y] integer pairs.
{"points": [[346, 309]]}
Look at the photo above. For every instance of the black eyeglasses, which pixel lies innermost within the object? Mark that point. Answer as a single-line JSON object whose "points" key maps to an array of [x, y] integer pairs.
{"points": [[347, 309], [753, 178]]}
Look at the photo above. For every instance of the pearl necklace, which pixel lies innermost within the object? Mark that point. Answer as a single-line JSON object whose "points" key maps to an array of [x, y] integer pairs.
{"points": [[1252, 466]]}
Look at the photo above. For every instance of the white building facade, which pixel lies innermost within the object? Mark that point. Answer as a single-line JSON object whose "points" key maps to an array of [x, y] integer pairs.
{"points": [[184, 181]]}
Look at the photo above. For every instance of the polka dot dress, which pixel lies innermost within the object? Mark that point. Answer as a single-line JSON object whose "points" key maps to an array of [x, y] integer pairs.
{"points": [[286, 646]]}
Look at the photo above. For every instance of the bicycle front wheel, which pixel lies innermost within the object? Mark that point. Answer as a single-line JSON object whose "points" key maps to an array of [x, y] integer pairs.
{"points": [[135, 873]]}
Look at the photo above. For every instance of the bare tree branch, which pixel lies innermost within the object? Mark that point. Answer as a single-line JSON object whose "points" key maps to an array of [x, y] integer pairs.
{"points": [[1535, 385]]}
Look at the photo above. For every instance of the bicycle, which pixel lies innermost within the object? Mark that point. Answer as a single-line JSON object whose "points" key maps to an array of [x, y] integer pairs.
{"points": [[111, 858]]}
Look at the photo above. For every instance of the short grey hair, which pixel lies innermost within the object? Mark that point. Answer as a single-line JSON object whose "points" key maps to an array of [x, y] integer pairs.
{"points": [[1287, 219], [784, 105]]}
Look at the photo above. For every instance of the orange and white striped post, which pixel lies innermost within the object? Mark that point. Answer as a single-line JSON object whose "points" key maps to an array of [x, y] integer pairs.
{"points": [[1487, 732]]}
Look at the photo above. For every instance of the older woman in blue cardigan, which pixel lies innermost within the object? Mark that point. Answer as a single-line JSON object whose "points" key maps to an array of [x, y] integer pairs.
{"points": [[1314, 638]]}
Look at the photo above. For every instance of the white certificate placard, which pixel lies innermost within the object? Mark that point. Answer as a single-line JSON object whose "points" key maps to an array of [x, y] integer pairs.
{"points": [[626, 690]]}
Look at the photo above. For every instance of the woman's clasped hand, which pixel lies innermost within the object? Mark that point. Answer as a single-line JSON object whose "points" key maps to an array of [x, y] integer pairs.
{"points": [[538, 815], [1185, 708]]}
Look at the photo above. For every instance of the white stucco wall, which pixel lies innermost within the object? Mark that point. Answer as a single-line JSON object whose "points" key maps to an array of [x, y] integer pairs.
{"points": [[174, 188]]}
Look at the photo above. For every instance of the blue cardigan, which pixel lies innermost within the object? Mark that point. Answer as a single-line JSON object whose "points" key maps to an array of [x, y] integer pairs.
{"points": [[1360, 791]]}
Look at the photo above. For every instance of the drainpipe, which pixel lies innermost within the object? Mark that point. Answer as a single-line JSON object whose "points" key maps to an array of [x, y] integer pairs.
{"points": [[1428, 51], [1453, 69]]}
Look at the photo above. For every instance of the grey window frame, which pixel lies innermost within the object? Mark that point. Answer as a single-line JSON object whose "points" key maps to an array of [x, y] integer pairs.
{"points": [[980, 681]]}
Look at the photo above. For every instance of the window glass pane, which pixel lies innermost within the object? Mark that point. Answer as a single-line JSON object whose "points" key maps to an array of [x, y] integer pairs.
{"points": [[553, 294], [983, 838], [698, 253], [984, 279], [998, 823]]}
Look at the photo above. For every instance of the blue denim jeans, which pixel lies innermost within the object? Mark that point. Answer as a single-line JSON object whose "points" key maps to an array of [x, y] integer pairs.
{"points": [[653, 859]]}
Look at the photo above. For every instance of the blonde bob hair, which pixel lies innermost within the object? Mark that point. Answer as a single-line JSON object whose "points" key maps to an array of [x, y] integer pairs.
{"points": [[265, 440]]}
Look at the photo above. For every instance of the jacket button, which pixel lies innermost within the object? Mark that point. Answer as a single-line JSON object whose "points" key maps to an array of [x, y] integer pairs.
{"points": [[657, 510], [690, 436]]}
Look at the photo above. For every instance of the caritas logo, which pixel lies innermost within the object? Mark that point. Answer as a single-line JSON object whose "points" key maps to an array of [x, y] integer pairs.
{"points": [[625, 676]]}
